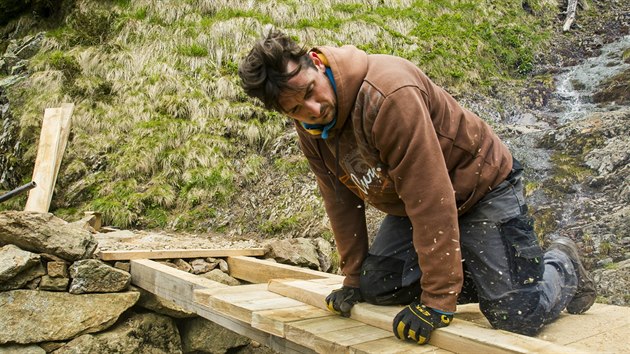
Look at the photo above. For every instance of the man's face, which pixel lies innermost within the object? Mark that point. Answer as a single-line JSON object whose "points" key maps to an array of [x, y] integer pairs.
{"points": [[314, 100]]}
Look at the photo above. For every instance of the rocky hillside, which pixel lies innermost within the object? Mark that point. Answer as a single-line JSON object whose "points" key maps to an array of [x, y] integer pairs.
{"points": [[163, 137]]}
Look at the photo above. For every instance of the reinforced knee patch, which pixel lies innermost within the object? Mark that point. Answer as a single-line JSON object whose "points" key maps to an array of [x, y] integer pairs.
{"points": [[381, 282]]}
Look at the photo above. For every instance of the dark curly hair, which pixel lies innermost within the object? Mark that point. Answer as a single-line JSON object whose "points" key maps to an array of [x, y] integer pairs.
{"points": [[263, 71]]}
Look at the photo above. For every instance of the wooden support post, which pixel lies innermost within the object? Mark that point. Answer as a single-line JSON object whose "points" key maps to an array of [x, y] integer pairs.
{"points": [[571, 9], [94, 220], [52, 144]]}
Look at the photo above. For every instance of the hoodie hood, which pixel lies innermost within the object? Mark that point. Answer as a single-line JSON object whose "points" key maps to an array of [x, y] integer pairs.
{"points": [[349, 66]]}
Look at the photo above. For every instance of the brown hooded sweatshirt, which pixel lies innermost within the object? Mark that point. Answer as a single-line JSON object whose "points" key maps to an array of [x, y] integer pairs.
{"points": [[405, 146]]}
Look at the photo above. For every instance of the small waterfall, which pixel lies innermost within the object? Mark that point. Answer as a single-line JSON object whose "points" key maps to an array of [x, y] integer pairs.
{"points": [[576, 86]]}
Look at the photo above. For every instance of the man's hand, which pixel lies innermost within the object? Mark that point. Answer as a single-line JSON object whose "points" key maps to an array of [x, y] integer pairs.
{"points": [[416, 322], [340, 301]]}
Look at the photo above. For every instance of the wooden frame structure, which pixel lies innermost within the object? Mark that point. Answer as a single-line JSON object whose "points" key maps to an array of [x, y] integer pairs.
{"points": [[284, 309]]}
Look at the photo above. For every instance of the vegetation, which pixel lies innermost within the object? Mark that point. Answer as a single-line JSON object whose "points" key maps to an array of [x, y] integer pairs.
{"points": [[163, 136]]}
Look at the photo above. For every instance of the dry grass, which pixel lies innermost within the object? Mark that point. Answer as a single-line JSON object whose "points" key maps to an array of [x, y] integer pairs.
{"points": [[161, 122]]}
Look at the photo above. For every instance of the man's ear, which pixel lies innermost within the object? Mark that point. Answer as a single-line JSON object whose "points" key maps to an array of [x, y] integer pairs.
{"points": [[317, 61]]}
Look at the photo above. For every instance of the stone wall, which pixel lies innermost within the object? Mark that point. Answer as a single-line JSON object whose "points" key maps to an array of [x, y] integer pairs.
{"points": [[55, 297]]}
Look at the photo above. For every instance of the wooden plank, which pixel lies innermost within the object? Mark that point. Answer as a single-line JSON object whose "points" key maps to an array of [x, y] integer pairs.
{"points": [[178, 286], [460, 336], [593, 329], [274, 321], [310, 292], [314, 333], [242, 304], [178, 253], [391, 345], [261, 271], [65, 124], [615, 339], [598, 330], [170, 283], [46, 162]]}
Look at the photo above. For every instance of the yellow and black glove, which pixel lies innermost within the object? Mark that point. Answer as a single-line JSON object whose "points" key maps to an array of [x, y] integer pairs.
{"points": [[340, 301], [416, 322]]}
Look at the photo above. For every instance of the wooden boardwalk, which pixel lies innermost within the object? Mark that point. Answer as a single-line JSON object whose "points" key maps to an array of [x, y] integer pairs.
{"points": [[284, 309]]}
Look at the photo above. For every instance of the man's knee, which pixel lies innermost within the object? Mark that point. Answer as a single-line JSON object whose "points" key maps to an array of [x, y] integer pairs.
{"points": [[381, 282], [519, 312]]}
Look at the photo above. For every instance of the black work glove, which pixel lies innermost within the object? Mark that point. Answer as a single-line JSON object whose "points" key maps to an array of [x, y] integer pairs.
{"points": [[416, 322], [340, 301]]}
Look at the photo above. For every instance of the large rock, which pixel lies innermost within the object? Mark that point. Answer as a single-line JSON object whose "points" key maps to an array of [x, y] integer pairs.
{"points": [[22, 279], [30, 316], [140, 333], [14, 260], [324, 252], [21, 349], [45, 233], [297, 251], [94, 276], [201, 335], [218, 276]]}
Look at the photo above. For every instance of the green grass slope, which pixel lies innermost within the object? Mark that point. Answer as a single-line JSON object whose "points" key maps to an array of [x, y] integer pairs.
{"points": [[164, 137]]}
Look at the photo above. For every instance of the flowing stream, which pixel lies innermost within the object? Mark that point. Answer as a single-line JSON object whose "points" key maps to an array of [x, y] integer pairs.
{"points": [[574, 91], [576, 86]]}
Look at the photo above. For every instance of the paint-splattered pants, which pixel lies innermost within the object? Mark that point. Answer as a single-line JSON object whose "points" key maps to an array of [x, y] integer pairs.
{"points": [[519, 287]]}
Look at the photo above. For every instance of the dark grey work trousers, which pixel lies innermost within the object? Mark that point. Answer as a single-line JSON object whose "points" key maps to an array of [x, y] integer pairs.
{"points": [[518, 286]]}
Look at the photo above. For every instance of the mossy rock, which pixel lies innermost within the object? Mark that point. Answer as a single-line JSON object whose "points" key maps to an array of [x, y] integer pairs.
{"points": [[616, 89]]}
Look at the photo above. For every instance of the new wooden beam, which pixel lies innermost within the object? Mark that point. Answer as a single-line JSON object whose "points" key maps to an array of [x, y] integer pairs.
{"points": [[332, 334], [243, 303], [178, 253], [64, 134], [261, 271], [391, 345], [44, 171], [178, 286], [460, 337], [275, 321]]}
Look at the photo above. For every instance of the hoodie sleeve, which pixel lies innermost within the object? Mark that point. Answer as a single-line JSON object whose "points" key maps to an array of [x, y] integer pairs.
{"points": [[345, 210], [408, 143]]}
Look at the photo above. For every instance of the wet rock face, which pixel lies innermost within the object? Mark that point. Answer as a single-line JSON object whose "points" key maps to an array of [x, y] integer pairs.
{"points": [[614, 90]]}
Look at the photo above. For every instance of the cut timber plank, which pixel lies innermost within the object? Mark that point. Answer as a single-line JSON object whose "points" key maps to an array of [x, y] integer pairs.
{"points": [[460, 336], [66, 122], [260, 271], [178, 253], [332, 334], [240, 305], [392, 345], [178, 286], [44, 171], [170, 283], [311, 292], [275, 321], [602, 326]]}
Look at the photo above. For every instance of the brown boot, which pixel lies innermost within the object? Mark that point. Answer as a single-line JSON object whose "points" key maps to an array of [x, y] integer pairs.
{"points": [[586, 293]]}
